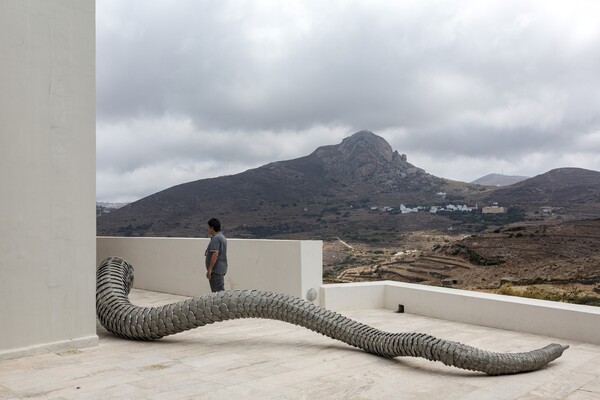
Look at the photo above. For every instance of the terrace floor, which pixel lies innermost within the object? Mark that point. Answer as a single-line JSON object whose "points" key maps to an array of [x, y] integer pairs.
{"points": [[264, 359]]}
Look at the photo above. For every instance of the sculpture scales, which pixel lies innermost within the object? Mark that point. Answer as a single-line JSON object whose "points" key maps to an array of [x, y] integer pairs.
{"points": [[119, 316]]}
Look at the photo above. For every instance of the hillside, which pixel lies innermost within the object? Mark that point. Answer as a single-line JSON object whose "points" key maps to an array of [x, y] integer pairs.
{"points": [[329, 192], [575, 191], [499, 180], [354, 189], [555, 261]]}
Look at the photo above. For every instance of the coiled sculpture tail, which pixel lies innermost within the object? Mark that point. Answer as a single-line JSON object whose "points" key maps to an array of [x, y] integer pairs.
{"points": [[119, 316]]}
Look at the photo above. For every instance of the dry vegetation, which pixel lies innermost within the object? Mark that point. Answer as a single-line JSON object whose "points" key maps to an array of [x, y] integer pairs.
{"points": [[551, 260]]}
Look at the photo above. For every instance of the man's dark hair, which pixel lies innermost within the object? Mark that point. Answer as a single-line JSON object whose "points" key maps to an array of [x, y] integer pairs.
{"points": [[215, 224]]}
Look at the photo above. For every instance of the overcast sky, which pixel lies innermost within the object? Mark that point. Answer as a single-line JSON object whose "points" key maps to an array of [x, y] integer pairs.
{"points": [[191, 89]]}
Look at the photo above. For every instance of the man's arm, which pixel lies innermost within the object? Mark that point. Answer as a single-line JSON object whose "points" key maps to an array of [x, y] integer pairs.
{"points": [[211, 264]]}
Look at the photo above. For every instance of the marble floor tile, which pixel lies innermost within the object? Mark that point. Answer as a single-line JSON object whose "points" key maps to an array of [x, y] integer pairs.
{"points": [[266, 359]]}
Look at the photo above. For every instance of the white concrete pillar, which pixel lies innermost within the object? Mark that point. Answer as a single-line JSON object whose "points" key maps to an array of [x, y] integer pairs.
{"points": [[47, 175]]}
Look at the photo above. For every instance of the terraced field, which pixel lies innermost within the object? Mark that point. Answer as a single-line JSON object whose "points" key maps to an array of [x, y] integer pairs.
{"points": [[558, 261]]}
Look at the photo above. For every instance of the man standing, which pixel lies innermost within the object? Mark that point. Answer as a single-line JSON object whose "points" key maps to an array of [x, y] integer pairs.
{"points": [[216, 256]]}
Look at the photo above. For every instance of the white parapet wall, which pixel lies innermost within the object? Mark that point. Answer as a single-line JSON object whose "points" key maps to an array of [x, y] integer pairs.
{"points": [[540, 317], [176, 265]]}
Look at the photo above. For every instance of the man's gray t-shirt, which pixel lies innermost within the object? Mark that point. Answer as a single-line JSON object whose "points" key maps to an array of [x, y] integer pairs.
{"points": [[217, 243]]}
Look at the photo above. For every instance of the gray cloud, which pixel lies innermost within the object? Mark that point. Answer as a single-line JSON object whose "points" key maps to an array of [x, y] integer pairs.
{"points": [[205, 88]]}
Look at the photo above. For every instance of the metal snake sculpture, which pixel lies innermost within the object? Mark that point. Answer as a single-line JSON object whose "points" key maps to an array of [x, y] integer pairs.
{"points": [[119, 316]]}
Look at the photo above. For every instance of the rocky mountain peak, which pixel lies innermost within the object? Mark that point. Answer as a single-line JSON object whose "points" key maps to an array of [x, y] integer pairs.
{"points": [[362, 156], [366, 144]]}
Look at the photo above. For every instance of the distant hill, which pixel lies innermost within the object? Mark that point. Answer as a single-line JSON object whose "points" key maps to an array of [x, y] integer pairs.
{"points": [[103, 207], [352, 189], [328, 192], [574, 189], [499, 180], [110, 205]]}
